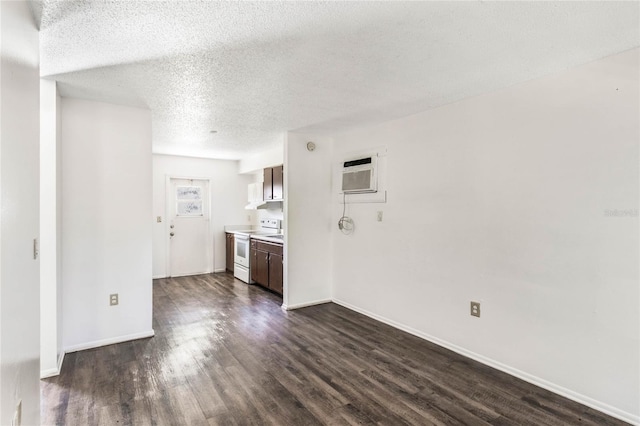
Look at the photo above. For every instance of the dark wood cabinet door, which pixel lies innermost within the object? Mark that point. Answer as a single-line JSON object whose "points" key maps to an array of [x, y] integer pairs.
{"points": [[278, 180], [262, 268], [253, 262], [268, 184], [275, 273], [230, 251]]}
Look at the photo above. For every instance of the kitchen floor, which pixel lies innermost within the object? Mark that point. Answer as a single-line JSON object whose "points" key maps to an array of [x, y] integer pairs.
{"points": [[225, 353]]}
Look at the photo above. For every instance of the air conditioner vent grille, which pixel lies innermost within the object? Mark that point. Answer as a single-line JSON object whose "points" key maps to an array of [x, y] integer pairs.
{"points": [[359, 162]]}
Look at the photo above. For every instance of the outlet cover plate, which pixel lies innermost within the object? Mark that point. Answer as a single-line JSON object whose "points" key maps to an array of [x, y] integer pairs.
{"points": [[475, 309], [113, 299]]}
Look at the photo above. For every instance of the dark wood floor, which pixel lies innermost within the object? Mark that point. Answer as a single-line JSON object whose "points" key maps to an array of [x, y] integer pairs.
{"points": [[225, 353]]}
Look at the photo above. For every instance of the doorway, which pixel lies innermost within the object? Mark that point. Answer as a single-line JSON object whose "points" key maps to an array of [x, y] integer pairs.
{"points": [[189, 238]]}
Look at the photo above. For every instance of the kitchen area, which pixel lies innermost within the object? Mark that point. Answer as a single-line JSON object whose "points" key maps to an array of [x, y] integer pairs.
{"points": [[255, 255]]}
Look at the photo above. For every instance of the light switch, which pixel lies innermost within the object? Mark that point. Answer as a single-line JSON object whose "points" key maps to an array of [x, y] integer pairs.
{"points": [[159, 219]]}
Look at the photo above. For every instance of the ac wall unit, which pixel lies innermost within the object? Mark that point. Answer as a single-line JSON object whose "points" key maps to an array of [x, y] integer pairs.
{"points": [[359, 175]]}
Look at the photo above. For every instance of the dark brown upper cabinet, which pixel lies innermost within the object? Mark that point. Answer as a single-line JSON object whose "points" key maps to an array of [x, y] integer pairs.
{"points": [[278, 183], [273, 186]]}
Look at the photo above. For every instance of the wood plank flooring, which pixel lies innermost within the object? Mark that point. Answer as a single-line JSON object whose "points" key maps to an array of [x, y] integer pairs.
{"points": [[226, 354]]}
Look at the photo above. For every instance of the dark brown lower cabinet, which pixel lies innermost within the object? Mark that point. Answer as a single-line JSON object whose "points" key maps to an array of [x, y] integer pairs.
{"points": [[275, 272], [266, 265], [262, 267], [253, 261], [230, 251]]}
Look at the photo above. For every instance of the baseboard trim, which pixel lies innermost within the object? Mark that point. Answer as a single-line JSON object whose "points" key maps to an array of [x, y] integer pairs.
{"points": [[51, 372], [306, 304], [191, 274], [158, 277], [567, 393], [60, 361], [110, 341], [217, 271]]}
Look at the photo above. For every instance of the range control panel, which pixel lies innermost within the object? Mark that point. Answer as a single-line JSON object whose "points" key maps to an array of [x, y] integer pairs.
{"points": [[270, 223]]}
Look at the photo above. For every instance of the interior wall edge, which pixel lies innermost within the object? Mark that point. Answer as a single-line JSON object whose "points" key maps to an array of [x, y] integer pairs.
{"points": [[307, 277], [52, 372]]}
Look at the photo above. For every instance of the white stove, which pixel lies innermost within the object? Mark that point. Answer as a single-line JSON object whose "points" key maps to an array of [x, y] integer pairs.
{"points": [[242, 264]]}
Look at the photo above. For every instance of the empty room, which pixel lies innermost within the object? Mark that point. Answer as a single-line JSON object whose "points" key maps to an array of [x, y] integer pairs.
{"points": [[319, 213]]}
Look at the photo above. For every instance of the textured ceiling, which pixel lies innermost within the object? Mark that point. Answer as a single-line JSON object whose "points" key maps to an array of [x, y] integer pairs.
{"points": [[253, 70]]}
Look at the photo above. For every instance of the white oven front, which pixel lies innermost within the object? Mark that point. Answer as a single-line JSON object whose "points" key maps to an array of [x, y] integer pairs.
{"points": [[241, 251]]}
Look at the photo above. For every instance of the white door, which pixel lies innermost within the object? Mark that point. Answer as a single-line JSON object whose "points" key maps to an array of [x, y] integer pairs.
{"points": [[190, 242]]}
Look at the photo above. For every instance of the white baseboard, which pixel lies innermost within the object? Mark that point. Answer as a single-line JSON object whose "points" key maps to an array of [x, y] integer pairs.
{"points": [[191, 274], [306, 304], [60, 361], [567, 393], [53, 371], [110, 341], [215, 271]]}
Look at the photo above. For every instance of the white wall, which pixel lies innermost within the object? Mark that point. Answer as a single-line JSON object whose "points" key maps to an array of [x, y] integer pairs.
{"points": [[59, 287], [228, 199], [50, 230], [19, 272], [308, 222], [107, 219], [506, 199], [274, 211], [258, 161], [254, 165]]}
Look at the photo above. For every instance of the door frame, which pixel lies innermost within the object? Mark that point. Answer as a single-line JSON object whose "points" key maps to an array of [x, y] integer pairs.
{"points": [[167, 224]]}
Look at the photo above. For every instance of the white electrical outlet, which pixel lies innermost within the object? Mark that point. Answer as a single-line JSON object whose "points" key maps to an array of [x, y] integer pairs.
{"points": [[475, 309], [159, 219], [113, 299], [380, 216]]}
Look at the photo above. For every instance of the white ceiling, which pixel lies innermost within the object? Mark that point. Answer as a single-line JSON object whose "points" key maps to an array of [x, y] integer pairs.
{"points": [[253, 70]]}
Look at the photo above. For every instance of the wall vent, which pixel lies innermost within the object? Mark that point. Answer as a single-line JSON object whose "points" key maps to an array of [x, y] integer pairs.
{"points": [[359, 175]]}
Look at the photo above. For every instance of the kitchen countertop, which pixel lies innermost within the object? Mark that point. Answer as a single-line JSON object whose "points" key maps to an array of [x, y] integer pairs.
{"points": [[273, 238], [270, 236], [241, 231]]}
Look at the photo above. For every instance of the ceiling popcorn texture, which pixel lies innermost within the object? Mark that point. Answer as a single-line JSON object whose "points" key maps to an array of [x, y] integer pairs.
{"points": [[254, 70]]}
